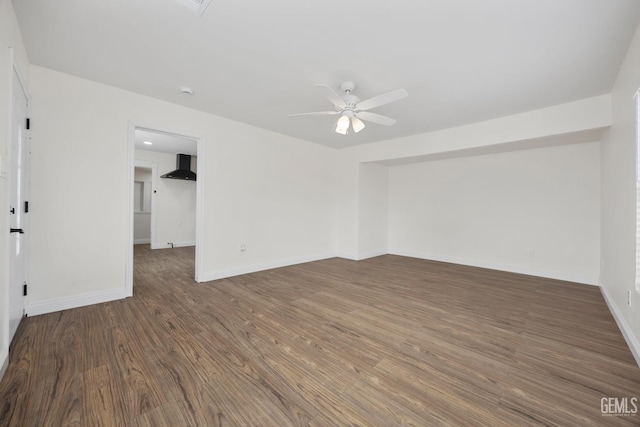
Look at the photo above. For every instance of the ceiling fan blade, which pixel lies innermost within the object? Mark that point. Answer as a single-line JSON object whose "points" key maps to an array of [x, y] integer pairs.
{"points": [[333, 96], [316, 113], [376, 118], [385, 98]]}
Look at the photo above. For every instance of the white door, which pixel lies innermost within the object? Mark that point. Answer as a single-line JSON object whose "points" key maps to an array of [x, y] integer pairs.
{"points": [[18, 205]]}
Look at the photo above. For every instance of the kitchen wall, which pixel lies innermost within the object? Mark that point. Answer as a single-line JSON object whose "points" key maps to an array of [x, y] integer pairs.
{"points": [[175, 203]]}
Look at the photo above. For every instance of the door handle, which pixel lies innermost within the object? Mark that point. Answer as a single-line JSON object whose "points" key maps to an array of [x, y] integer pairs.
{"points": [[17, 230]]}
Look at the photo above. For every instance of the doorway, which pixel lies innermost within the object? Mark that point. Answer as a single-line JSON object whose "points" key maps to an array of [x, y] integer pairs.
{"points": [[165, 211]]}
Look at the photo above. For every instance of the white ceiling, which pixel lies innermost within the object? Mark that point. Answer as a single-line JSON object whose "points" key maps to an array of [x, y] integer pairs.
{"points": [[165, 143], [257, 61]]}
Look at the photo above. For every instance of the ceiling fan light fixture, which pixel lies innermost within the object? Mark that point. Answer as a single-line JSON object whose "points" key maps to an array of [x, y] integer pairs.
{"points": [[353, 112], [357, 124], [342, 127]]}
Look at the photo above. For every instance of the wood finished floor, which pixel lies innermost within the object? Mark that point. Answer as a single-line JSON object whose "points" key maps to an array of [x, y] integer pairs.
{"points": [[389, 341]]}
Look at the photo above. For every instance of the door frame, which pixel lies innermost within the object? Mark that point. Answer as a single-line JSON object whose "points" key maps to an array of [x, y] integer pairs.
{"points": [[200, 187], [15, 71]]}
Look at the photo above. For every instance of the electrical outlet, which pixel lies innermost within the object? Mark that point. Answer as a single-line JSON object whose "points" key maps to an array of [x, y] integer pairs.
{"points": [[243, 248], [531, 252]]}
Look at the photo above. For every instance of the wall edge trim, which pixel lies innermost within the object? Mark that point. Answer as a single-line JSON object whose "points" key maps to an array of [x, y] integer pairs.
{"points": [[175, 245], [627, 332], [372, 254], [224, 273], [5, 363], [584, 280], [75, 301]]}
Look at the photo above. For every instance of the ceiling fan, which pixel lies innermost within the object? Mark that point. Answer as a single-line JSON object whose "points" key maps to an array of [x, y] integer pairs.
{"points": [[353, 112]]}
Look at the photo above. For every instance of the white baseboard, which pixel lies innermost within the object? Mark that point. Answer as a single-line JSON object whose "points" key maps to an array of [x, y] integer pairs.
{"points": [[627, 332], [586, 280], [346, 255], [373, 254], [76, 301], [360, 257], [166, 245], [4, 360], [252, 268], [141, 241]]}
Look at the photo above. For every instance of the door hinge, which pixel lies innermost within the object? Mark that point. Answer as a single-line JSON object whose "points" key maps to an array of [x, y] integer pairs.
{"points": [[24, 290], [28, 123], [26, 206]]}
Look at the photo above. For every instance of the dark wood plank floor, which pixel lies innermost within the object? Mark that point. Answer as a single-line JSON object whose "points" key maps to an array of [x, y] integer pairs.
{"points": [[389, 341]]}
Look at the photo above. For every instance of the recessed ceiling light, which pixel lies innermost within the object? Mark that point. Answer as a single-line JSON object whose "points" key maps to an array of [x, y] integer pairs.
{"points": [[148, 143]]}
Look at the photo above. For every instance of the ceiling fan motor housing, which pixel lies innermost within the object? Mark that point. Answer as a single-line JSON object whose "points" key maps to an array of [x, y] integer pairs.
{"points": [[350, 101]]}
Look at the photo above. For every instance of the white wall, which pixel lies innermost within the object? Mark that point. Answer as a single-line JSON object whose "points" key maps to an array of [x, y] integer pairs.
{"points": [[372, 210], [347, 175], [579, 121], [576, 122], [10, 37], [531, 211], [273, 193], [618, 201], [175, 203]]}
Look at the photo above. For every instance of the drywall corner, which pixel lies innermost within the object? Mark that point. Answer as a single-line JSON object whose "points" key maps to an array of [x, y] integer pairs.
{"points": [[628, 334], [4, 364]]}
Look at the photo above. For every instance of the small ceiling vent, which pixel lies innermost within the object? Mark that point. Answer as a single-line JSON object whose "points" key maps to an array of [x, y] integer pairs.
{"points": [[196, 7]]}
